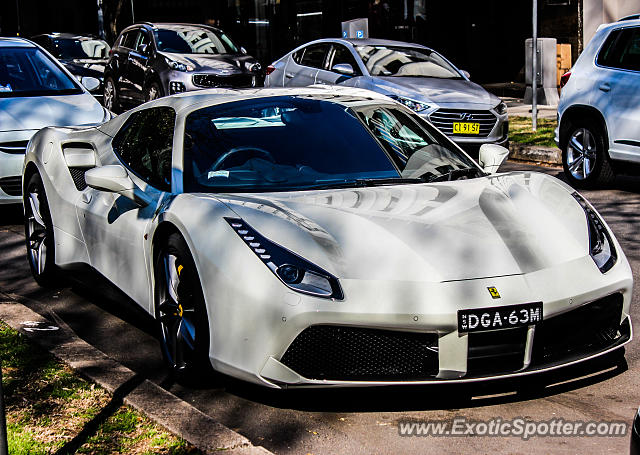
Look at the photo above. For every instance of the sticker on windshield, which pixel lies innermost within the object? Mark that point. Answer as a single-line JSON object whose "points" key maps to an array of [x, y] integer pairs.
{"points": [[5, 88], [213, 174]]}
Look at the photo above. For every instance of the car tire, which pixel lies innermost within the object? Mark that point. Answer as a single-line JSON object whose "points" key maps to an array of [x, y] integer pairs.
{"points": [[585, 159], [181, 312], [38, 229], [110, 96], [153, 92]]}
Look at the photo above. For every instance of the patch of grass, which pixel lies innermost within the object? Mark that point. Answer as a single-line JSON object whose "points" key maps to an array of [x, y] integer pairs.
{"points": [[48, 405], [520, 131]]}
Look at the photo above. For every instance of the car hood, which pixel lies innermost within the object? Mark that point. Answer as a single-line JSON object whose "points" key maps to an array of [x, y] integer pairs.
{"points": [[34, 113], [213, 63], [501, 225], [443, 92]]}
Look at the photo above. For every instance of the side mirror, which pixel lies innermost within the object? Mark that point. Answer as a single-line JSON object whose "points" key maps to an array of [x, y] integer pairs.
{"points": [[90, 83], [115, 179], [343, 68], [491, 156], [144, 49], [466, 74]]}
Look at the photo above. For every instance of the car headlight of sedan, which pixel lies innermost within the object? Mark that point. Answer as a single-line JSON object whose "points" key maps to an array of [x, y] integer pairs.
{"points": [[601, 246], [177, 66], [411, 104], [292, 270], [501, 108]]}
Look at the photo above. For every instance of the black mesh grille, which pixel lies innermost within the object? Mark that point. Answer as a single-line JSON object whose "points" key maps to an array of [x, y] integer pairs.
{"points": [[12, 185], [212, 80], [77, 174], [588, 329], [443, 119], [498, 351], [353, 354], [14, 147]]}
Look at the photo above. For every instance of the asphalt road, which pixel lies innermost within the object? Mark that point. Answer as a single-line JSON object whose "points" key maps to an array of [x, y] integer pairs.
{"points": [[361, 421]]}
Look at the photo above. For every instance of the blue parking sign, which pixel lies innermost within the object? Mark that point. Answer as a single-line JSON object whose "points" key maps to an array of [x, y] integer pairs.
{"points": [[345, 34], [360, 34]]}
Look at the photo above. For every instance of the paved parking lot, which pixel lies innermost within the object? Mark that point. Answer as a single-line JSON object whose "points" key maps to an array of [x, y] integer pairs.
{"points": [[363, 420]]}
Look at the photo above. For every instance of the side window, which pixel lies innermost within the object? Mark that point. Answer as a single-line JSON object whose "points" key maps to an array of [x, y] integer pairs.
{"points": [[314, 55], [129, 39], [621, 50], [342, 55], [143, 40], [145, 145], [297, 56]]}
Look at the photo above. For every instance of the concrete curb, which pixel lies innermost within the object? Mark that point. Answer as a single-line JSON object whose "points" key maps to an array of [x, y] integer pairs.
{"points": [[161, 406], [535, 153]]}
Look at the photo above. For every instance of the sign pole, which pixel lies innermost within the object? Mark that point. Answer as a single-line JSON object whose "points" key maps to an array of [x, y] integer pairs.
{"points": [[534, 72]]}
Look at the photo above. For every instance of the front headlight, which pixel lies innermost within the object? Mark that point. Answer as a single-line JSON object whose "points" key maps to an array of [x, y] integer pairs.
{"points": [[177, 66], [411, 104], [601, 246], [501, 108], [294, 271]]}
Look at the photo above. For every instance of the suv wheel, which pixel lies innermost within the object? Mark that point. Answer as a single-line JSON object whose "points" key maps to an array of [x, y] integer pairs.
{"points": [[110, 95], [585, 159], [153, 92]]}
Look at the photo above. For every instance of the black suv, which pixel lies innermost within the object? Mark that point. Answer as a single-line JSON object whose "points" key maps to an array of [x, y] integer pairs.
{"points": [[153, 60]]}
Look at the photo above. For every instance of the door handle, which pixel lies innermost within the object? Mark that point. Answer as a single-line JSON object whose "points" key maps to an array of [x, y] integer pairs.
{"points": [[605, 87], [288, 75]]}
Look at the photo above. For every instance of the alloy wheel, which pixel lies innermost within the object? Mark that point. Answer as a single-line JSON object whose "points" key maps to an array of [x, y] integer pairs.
{"points": [[36, 230], [177, 313], [581, 154]]}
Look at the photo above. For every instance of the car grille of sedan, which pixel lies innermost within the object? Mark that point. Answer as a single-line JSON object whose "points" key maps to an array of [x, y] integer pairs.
{"points": [[359, 354], [213, 81], [11, 185], [14, 147], [443, 119], [589, 329]]}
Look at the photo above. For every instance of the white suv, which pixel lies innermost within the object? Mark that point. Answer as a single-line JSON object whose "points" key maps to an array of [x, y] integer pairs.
{"points": [[599, 109]]}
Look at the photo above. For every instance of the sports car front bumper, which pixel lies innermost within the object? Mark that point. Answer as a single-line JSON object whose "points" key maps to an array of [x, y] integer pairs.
{"points": [[414, 339]]}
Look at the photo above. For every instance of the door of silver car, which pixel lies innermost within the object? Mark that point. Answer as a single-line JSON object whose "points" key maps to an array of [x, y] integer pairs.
{"points": [[337, 65], [114, 227], [305, 64]]}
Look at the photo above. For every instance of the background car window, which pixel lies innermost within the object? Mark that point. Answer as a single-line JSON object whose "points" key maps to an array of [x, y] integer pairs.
{"points": [[621, 50], [129, 39], [145, 144], [343, 55], [314, 55], [405, 61], [75, 48], [143, 40], [29, 72], [186, 39]]}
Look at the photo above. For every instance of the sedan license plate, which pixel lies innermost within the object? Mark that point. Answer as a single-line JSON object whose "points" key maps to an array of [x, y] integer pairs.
{"points": [[466, 128], [504, 317]]}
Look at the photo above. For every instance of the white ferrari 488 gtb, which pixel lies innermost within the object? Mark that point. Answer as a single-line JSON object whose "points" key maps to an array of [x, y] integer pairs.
{"points": [[316, 237]]}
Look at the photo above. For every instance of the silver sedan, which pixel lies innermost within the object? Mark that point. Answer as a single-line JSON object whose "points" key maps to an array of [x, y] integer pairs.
{"points": [[414, 75]]}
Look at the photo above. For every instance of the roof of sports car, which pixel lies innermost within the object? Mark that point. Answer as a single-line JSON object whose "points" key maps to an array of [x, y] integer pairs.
{"points": [[187, 102]]}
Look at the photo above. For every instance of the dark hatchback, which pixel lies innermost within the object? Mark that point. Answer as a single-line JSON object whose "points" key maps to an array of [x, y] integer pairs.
{"points": [[149, 61], [83, 55]]}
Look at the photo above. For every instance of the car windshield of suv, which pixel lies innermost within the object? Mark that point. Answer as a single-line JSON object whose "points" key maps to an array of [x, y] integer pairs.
{"points": [[294, 143], [69, 48], [29, 72], [406, 61], [184, 39]]}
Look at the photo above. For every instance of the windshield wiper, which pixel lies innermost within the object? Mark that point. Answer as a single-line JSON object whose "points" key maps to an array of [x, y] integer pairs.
{"points": [[455, 174], [363, 183]]}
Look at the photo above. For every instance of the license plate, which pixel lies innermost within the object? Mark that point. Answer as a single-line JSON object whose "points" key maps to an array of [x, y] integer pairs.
{"points": [[466, 128], [504, 317]]}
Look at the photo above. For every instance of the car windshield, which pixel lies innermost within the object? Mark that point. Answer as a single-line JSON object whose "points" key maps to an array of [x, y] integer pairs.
{"points": [[294, 143], [29, 72], [406, 61], [69, 48], [184, 39]]}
